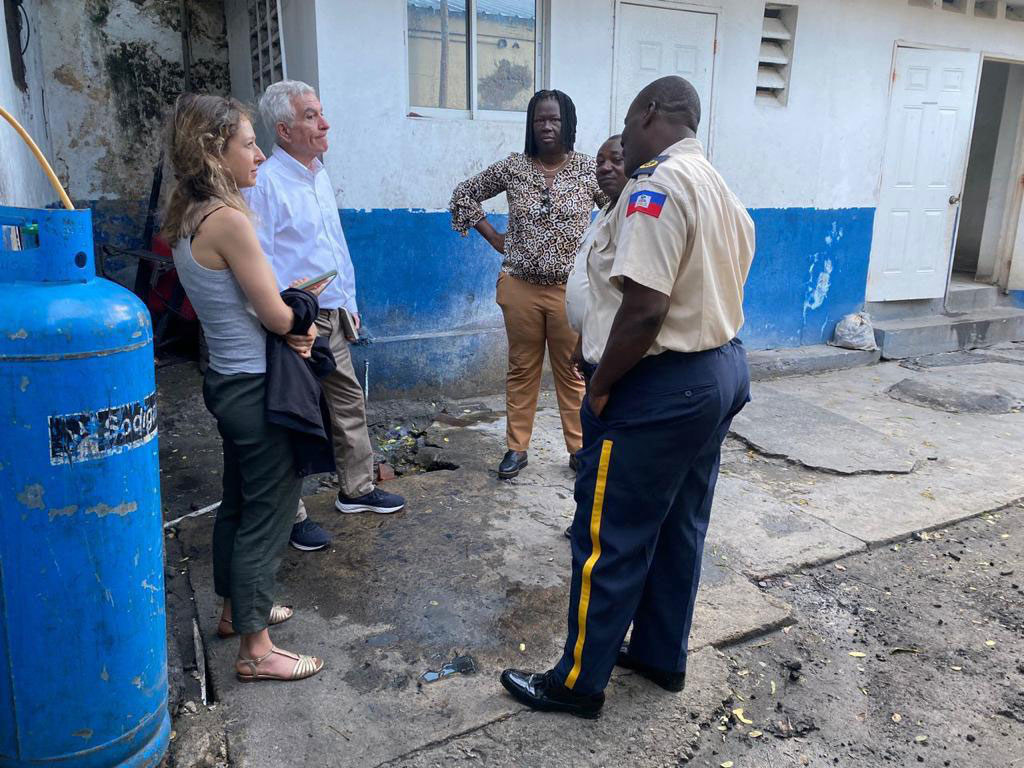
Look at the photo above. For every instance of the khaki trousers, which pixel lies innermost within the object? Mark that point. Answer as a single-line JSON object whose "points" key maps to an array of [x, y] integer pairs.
{"points": [[352, 451], [535, 316]]}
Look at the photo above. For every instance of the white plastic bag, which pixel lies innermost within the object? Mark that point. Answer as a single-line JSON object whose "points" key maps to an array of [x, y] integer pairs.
{"points": [[854, 332]]}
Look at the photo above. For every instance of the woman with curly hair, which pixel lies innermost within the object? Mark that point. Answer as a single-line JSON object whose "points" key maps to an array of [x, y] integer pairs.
{"points": [[213, 151]]}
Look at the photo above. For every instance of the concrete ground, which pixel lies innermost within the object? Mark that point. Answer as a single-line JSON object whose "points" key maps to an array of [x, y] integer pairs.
{"points": [[841, 466]]}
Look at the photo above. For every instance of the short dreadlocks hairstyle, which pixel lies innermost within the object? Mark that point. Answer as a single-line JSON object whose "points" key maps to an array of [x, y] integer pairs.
{"points": [[568, 112]]}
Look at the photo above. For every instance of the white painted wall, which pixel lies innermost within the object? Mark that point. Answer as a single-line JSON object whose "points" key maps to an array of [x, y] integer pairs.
{"points": [[582, 65], [381, 158], [298, 26], [22, 181], [824, 149]]}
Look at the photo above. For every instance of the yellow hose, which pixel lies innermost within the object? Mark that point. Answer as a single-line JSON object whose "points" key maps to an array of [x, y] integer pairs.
{"points": [[39, 157]]}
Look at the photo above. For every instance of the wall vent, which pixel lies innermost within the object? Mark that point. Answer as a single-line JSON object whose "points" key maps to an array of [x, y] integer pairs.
{"points": [[774, 62], [1010, 10]]}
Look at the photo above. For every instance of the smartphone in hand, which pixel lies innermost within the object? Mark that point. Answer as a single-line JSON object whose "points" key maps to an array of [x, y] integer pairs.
{"points": [[325, 278]]}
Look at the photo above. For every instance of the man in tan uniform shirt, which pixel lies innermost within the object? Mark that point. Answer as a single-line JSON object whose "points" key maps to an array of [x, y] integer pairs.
{"points": [[666, 375]]}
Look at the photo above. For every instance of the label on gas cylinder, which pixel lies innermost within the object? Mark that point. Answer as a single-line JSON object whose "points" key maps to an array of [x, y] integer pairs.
{"points": [[104, 432]]}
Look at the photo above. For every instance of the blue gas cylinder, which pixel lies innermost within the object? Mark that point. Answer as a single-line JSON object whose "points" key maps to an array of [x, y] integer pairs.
{"points": [[83, 650]]}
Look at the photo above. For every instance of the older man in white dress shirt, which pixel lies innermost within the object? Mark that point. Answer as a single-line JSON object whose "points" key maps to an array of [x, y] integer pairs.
{"points": [[299, 228]]}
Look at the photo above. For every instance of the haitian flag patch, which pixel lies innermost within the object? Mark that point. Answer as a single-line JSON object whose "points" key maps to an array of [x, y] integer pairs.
{"points": [[646, 201]]}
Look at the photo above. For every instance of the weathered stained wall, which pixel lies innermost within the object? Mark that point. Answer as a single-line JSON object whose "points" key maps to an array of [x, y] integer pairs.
{"points": [[22, 182], [114, 68]]}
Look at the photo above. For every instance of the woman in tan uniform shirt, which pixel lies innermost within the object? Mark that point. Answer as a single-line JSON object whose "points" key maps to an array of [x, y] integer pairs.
{"points": [[551, 191]]}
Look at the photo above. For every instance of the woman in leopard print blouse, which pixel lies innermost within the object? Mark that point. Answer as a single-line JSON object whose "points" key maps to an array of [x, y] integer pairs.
{"points": [[551, 191]]}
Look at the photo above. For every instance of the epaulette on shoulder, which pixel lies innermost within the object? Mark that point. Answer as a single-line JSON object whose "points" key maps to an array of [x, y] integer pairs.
{"points": [[649, 167]]}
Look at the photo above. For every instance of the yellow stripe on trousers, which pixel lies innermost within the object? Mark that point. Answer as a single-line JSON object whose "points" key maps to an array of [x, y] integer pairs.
{"points": [[588, 567]]}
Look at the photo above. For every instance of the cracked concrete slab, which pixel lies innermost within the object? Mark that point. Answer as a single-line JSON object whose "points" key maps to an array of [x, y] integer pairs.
{"points": [[640, 725], [781, 425], [480, 566], [1012, 352], [764, 536], [985, 387], [729, 608], [475, 566], [943, 360], [963, 467]]}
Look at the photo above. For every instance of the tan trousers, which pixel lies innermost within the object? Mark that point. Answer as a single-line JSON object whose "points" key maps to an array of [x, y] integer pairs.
{"points": [[535, 316], [352, 451]]}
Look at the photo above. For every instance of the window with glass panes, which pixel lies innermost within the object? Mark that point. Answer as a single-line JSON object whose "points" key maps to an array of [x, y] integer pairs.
{"points": [[473, 55]]}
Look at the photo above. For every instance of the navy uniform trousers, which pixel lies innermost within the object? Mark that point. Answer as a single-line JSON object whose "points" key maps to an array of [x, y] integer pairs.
{"points": [[646, 478]]}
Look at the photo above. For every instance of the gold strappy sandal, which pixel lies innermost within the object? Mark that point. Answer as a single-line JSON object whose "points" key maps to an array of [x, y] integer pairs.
{"points": [[278, 614], [305, 666]]}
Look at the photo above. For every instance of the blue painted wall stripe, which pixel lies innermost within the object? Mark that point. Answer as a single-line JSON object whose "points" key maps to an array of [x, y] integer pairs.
{"points": [[415, 275], [427, 294]]}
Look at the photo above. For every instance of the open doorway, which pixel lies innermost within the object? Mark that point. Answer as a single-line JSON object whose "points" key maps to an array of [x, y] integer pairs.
{"points": [[988, 196]]}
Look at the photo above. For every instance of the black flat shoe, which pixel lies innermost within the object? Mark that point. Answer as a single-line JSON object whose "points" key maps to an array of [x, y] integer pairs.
{"points": [[670, 681], [568, 533], [511, 464], [538, 690], [574, 463]]}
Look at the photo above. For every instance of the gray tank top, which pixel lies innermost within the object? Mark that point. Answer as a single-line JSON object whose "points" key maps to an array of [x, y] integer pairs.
{"points": [[236, 340]]}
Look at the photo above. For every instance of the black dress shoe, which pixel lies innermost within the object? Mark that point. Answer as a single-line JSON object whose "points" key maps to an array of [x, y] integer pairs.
{"points": [[511, 464], [539, 690], [568, 533], [574, 463], [670, 681]]}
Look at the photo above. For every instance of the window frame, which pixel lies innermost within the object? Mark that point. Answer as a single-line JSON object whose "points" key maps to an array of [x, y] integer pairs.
{"points": [[540, 70], [265, 38]]}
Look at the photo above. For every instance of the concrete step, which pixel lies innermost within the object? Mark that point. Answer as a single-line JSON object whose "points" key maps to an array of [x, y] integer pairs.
{"points": [[968, 296], [799, 361], [916, 336]]}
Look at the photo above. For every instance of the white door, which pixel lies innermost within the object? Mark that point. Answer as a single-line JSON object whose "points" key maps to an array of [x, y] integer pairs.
{"points": [[654, 42], [929, 129]]}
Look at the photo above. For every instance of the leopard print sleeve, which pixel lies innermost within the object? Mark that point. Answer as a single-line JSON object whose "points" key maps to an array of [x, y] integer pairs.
{"points": [[465, 205]]}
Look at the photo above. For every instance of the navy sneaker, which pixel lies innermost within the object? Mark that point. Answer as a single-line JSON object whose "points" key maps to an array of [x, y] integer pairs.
{"points": [[308, 536], [381, 502]]}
